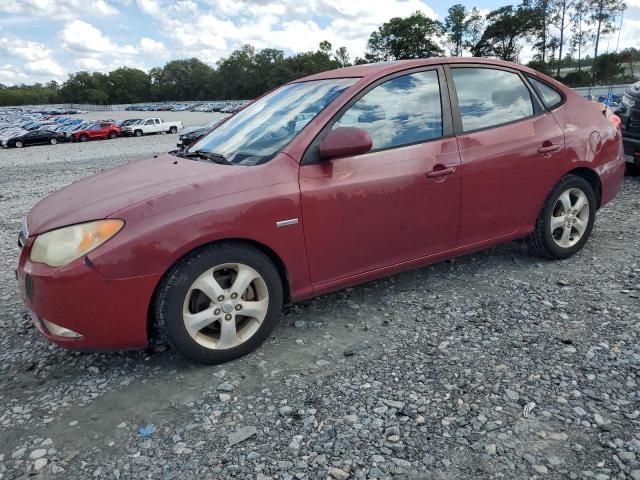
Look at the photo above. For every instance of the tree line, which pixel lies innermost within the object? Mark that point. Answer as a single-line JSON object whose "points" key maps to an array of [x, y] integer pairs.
{"points": [[561, 32]]}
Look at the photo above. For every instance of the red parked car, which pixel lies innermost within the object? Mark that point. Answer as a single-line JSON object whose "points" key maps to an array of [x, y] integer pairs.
{"points": [[98, 130], [325, 182]]}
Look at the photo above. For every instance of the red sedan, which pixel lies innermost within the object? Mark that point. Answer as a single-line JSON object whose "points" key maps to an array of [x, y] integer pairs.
{"points": [[100, 130], [325, 182]]}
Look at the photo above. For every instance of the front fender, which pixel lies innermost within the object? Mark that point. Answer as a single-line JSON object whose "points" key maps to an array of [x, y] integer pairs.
{"points": [[155, 239]]}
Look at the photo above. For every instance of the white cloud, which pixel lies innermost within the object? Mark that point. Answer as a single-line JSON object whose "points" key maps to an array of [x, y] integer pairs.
{"points": [[23, 49], [224, 25], [633, 3], [46, 67], [36, 60], [11, 75], [56, 9], [81, 36], [152, 47]]}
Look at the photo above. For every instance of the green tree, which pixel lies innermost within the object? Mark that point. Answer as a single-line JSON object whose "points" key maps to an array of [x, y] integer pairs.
{"points": [[341, 56], [540, 12], [506, 28], [561, 17], [602, 15], [606, 68], [581, 35], [415, 36], [128, 85], [238, 71], [460, 26]]}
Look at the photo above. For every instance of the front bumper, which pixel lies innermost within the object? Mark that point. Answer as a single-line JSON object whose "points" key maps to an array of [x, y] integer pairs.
{"points": [[105, 314]]}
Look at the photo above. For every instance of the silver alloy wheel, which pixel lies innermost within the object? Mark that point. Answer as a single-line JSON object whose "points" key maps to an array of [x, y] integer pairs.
{"points": [[569, 217], [19, 144], [225, 306], [53, 141]]}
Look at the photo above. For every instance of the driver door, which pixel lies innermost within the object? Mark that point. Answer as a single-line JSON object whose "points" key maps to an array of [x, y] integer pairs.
{"points": [[396, 203]]}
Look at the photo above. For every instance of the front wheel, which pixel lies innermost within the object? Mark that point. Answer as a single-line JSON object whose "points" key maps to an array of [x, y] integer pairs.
{"points": [[566, 220], [220, 302], [53, 141], [138, 133], [83, 138], [19, 144], [112, 135]]}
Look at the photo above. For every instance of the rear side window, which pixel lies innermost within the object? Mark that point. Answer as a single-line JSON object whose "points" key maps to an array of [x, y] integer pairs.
{"points": [[489, 97], [550, 96], [400, 111]]}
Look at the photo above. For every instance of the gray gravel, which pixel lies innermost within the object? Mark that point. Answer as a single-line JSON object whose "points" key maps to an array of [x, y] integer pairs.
{"points": [[495, 365]]}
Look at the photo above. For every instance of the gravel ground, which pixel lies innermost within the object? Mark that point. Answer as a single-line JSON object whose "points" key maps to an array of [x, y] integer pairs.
{"points": [[495, 365]]}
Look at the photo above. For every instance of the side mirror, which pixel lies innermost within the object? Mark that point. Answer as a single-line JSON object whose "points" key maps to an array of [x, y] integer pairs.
{"points": [[345, 142]]}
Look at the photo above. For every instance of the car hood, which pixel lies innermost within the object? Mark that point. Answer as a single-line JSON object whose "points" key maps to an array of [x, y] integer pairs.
{"points": [[104, 194], [193, 129]]}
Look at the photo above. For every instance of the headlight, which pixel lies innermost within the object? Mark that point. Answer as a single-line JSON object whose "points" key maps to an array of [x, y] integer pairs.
{"points": [[62, 246]]}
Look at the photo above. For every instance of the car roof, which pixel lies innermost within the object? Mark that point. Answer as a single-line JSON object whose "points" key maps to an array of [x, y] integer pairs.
{"points": [[375, 70]]}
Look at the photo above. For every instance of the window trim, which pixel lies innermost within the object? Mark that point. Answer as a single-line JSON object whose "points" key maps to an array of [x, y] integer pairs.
{"points": [[538, 107], [311, 156], [563, 97]]}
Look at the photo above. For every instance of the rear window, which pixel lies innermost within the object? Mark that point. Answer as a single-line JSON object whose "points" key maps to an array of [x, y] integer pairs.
{"points": [[489, 97], [550, 96]]}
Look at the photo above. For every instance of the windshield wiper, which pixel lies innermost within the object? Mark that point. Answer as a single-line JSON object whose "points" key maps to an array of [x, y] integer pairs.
{"points": [[213, 157]]}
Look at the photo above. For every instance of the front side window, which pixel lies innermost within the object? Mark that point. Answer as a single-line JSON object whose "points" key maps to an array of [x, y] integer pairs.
{"points": [[400, 111], [258, 132], [550, 96], [489, 97]]}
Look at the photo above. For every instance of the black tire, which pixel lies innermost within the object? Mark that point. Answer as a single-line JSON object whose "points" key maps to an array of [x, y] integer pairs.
{"points": [[112, 135], [541, 241], [53, 141], [138, 133], [83, 138], [173, 130], [175, 286]]}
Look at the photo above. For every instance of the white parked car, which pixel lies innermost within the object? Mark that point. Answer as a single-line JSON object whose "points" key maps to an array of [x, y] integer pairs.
{"points": [[151, 125]]}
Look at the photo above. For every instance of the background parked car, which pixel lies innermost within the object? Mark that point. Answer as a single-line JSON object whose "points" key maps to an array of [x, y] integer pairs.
{"points": [[193, 134], [151, 125], [629, 113], [35, 137], [97, 131], [127, 122]]}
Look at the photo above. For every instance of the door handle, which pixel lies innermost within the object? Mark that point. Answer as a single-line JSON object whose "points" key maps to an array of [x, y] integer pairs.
{"points": [[549, 148], [442, 172]]}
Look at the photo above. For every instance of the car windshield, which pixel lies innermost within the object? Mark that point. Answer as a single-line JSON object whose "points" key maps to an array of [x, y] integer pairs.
{"points": [[257, 133]]}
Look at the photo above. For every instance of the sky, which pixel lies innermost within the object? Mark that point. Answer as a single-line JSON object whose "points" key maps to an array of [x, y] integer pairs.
{"points": [[42, 40]]}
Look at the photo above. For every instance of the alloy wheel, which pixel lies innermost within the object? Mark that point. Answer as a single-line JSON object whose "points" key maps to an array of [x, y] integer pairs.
{"points": [[569, 217], [18, 144], [225, 306], [53, 141]]}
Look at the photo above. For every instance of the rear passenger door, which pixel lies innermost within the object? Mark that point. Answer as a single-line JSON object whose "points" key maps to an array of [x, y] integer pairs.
{"points": [[508, 146]]}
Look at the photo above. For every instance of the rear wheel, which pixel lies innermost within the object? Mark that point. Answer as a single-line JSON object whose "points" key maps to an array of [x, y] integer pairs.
{"points": [[112, 135], [173, 130], [566, 220], [138, 133], [19, 144], [83, 138], [220, 302], [53, 141]]}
